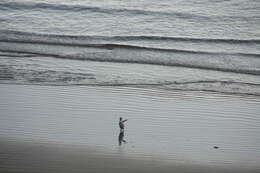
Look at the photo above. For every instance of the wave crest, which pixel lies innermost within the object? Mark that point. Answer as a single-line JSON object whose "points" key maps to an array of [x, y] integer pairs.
{"points": [[109, 49], [16, 34], [114, 11]]}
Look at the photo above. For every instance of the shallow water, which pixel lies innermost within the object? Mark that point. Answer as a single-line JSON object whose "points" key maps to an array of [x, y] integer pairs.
{"points": [[189, 45], [176, 126]]}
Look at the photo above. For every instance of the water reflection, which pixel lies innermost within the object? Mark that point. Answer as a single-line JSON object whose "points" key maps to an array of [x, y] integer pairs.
{"points": [[121, 138]]}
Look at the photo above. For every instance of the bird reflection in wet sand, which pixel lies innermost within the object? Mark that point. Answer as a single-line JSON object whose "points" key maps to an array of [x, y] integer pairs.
{"points": [[121, 138]]}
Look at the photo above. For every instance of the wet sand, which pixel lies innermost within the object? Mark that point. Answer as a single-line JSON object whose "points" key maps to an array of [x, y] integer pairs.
{"points": [[24, 157], [75, 129]]}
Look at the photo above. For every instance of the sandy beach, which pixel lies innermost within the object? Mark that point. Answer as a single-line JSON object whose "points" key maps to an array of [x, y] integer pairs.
{"points": [[23, 156], [75, 129]]}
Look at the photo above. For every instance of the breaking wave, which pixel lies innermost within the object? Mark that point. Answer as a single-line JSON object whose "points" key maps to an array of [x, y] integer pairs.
{"points": [[17, 35], [62, 78]]}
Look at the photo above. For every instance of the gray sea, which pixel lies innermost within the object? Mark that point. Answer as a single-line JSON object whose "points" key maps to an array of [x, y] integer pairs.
{"points": [[204, 45]]}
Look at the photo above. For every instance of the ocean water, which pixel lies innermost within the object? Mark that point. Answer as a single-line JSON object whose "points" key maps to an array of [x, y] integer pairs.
{"points": [[188, 45]]}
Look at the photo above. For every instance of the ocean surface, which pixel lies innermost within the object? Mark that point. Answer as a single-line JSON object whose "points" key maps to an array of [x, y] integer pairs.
{"points": [[204, 45]]}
